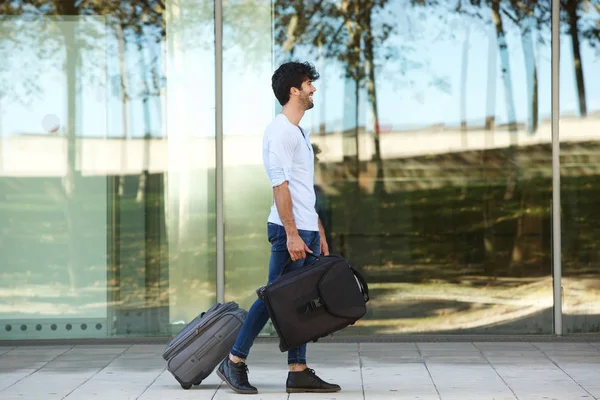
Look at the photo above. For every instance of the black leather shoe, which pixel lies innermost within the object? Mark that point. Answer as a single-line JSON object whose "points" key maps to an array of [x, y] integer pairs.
{"points": [[308, 381], [236, 376]]}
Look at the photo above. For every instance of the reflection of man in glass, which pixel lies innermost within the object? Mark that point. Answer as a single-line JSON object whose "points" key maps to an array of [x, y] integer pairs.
{"points": [[294, 228], [321, 205]]}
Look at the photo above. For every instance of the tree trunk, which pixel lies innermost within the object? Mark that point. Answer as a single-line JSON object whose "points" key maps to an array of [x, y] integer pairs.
{"points": [[516, 259], [372, 91], [530, 71], [573, 18], [463, 91], [124, 101], [535, 101], [68, 28], [354, 32], [490, 119], [147, 128], [490, 126], [505, 63], [357, 133], [510, 105]]}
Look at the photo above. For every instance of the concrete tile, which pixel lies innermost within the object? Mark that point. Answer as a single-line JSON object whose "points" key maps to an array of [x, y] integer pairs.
{"points": [[85, 357], [4, 350], [101, 348], [535, 382], [9, 378], [405, 381], [17, 365], [47, 385], [39, 350], [571, 353], [469, 381], [562, 346], [390, 371], [519, 360], [146, 348], [388, 347], [505, 346], [514, 353], [75, 364], [370, 359], [456, 348], [593, 389], [578, 359], [115, 386], [468, 359], [167, 387], [12, 357]]}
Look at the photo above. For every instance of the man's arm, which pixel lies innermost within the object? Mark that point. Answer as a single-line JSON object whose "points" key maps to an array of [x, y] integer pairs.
{"points": [[283, 201]]}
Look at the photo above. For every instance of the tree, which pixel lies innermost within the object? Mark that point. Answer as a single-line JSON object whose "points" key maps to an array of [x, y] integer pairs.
{"points": [[523, 14], [570, 16], [67, 16], [344, 32]]}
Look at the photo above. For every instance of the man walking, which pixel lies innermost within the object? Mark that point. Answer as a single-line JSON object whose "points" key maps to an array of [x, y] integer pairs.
{"points": [[293, 226]]}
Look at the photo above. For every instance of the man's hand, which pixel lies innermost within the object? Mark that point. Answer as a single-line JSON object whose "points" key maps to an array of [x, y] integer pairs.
{"points": [[324, 246], [297, 247]]}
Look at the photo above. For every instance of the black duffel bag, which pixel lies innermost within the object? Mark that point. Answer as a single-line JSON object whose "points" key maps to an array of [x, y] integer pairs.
{"points": [[314, 301]]}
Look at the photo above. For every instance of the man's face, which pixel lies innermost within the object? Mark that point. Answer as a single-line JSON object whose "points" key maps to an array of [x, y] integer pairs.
{"points": [[306, 95]]}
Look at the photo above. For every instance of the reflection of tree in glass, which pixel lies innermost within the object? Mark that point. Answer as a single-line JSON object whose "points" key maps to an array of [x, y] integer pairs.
{"points": [[354, 33], [141, 17]]}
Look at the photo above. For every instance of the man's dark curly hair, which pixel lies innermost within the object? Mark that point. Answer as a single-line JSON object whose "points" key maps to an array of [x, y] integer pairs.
{"points": [[291, 74]]}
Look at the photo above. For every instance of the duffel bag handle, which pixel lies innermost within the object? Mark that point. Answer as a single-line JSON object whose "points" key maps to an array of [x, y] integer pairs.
{"points": [[363, 282]]}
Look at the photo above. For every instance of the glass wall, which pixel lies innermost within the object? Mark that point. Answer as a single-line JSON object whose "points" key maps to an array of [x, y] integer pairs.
{"points": [[579, 156], [107, 207], [191, 217], [56, 128], [435, 167], [432, 134], [247, 110]]}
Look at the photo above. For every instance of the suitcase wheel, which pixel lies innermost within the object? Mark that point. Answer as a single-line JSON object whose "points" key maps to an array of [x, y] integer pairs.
{"points": [[186, 387], [197, 383]]}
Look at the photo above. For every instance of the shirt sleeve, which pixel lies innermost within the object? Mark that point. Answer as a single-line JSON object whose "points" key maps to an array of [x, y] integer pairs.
{"points": [[282, 147]]}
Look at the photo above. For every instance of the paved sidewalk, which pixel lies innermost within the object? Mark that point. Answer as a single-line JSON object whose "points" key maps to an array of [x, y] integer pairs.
{"points": [[372, 371]]}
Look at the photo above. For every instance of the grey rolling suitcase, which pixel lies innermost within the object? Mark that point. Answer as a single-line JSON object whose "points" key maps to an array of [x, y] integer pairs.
{"points": [[193, 353]]}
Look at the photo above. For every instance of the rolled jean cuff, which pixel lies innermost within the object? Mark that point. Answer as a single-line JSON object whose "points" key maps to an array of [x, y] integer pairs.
{"points": [[297, 361], [239, 354]]}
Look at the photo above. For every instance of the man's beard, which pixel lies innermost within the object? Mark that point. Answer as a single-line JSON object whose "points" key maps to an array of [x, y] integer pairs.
{"points": [[308, 103]]}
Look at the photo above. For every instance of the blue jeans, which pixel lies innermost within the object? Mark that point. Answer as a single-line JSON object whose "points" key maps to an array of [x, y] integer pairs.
{"points": [[258, 315]]}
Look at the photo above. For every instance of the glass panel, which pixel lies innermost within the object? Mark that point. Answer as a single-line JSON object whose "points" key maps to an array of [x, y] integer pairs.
{"points": [[247, 109], [435, 167], [54, 123], [191, 159], [108, 226], [579, 146]]}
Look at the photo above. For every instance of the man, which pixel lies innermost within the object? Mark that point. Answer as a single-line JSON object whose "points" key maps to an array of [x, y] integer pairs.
{"points": [[293, 226]]}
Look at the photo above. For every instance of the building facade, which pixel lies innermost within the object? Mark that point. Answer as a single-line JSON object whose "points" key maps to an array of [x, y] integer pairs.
{"points": [[457, 161]]}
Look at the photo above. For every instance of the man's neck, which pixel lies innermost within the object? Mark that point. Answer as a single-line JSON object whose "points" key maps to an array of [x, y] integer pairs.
{"points": [[293, 113]]}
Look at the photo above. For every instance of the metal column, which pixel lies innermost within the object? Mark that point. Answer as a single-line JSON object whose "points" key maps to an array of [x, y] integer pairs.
{"points": [[556, 205], [219, 150]]}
